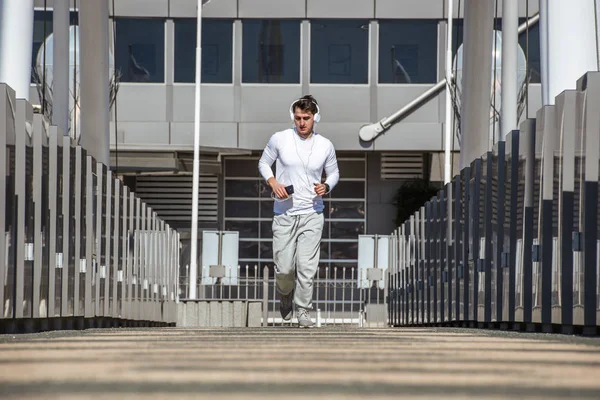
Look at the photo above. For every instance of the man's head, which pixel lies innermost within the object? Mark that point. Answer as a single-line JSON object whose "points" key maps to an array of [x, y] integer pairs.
{"points": [[303, 111]]}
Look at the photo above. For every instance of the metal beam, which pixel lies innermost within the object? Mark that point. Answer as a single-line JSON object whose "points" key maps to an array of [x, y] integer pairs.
{"points": [[370, 132]]}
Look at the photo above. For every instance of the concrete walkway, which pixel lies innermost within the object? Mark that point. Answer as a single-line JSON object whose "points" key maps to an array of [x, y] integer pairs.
{"points": [[289, 363]]}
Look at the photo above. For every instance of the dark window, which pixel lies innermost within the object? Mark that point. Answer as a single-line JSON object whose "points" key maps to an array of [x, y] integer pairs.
{"points": [[141, 49], [217, 50], [246, 229], [40, 32], [339, 51], [242, 168], [241, 209], [241, 188], [529, 42], [408, 51], [271, 51]]}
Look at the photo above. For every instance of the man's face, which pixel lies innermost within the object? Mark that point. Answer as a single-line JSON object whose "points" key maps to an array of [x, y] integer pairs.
{"points": [[304, 121]]}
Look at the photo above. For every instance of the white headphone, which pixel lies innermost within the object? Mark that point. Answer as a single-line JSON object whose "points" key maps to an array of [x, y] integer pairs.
{"points": [[317, 115]]}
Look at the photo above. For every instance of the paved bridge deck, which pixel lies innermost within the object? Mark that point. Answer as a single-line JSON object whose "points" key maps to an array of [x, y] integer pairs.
{"points": [[277, 363]]}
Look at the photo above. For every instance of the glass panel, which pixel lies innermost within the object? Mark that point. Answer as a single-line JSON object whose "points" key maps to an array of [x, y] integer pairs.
{"points": [[266, 209], [140, 49], [43, 27], [345, 209], [247, 229], [235, 188], [408, 51], [349, 189], [266, 229], [352, 169], [248, 250], [265, 189], [217, 50], [324, 255], [271, 51], [344, 251], [326, 230], [242, 168], [266, 250], [529, 42], [339, 51], [347, 230], [241, 209]]}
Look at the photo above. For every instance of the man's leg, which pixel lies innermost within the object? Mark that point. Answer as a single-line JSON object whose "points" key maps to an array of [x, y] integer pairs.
{"points": [[284, 257], [309, 248]]}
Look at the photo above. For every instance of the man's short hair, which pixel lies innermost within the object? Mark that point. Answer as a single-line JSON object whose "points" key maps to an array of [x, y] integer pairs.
{"points": [[306, 103]]}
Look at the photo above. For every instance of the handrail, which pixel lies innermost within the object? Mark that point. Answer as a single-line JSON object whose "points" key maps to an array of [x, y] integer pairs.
{"points": [[370, 132]]}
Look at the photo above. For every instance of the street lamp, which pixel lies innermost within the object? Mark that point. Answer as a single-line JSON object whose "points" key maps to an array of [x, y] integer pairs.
{"points": [[196, 173]]}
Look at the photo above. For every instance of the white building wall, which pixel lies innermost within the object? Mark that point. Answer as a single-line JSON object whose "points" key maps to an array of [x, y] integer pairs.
{"points": [[238, 115]]}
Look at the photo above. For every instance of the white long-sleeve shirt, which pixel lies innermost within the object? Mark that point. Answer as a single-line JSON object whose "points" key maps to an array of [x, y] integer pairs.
{"points": [[300, 162]]}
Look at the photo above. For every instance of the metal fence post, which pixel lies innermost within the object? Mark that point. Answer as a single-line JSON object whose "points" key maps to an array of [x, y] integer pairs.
{"points": [[591, 308], [265, 299]]}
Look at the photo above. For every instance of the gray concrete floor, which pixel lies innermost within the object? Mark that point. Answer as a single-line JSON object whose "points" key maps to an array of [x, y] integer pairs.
{"points": [[290, 363]]}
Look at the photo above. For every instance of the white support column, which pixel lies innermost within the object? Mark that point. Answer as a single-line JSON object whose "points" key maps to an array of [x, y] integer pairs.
{"points": [[16, 37], [510, 43], [93, 22], [196, 167], [477, 79], [60, 66], [448, 125], [568, 44]]}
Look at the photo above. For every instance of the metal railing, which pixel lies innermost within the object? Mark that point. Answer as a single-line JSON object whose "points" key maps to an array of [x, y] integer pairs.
{"points": [[513, 240], [338, 296], [79, 246]]}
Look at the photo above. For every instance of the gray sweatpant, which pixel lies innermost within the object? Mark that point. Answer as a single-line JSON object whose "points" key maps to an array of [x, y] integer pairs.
{"points": [[296, 250]]}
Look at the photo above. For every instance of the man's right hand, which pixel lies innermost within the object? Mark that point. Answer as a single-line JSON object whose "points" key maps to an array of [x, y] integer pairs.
{"points": [[278, 189]]}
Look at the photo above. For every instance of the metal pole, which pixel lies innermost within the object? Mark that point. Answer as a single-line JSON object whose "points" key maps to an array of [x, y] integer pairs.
{"points": [[477, 78], [448, 166], [95, 129], [372, 131], [60, 67], [196, 170], [510, 43], [16, 36]]}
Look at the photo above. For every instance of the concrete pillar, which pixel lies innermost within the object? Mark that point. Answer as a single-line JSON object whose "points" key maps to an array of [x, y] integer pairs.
{"points": [[16, 38], [93, 32], [510, 48], [60, 66], [568, 45], [477, 79]]}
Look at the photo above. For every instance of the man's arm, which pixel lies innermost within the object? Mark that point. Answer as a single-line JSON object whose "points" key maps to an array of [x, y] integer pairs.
{"points": [[332, 171], [269, 155]]}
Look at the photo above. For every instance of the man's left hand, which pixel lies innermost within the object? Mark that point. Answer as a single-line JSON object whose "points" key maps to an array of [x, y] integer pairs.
{"points": [[320, 189]]}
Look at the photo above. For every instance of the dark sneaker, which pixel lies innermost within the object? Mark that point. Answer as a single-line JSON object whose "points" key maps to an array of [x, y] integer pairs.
{"points": [[304, 320], [286, 306]]}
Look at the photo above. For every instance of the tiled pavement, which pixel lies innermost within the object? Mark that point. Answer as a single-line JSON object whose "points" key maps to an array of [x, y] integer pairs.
{"points": [[290, 363]]}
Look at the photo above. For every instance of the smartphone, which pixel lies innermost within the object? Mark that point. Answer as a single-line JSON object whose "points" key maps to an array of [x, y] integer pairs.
{"points": [[289, 190]]}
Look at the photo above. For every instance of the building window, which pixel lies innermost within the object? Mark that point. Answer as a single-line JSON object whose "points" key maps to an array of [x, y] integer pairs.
{"points": [[408, 51], [41, 31], [217, 50], [532, 51], [140, 50], [271, 51], [339, 51]]}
